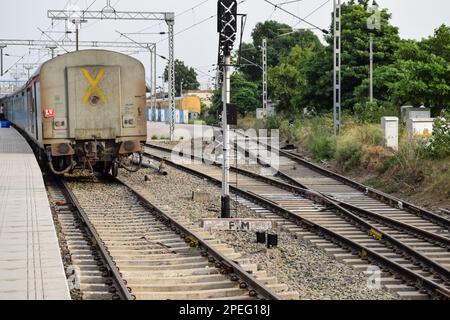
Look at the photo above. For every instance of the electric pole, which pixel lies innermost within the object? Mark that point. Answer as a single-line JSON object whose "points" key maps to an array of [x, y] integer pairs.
{"points": [[373, 23], [170, 20], [227, 25], [264, 82], [337, 69], [52, 50], [371, 69], [28, 67], [2, 46]]}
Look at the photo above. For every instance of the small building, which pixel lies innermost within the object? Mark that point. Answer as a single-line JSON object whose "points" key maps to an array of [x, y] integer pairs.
{"points": [[190, 103], [205, 96]]}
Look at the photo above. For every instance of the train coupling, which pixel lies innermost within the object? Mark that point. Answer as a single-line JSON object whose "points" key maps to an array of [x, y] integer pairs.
{"points": [[128, 147], [62, 149]]}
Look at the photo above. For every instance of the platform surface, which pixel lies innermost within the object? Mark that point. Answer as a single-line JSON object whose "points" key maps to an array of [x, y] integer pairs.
{"points": [[31, 267]]}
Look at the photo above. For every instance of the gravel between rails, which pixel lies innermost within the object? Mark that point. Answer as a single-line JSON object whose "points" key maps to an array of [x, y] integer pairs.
{"points": [[302, 266]]}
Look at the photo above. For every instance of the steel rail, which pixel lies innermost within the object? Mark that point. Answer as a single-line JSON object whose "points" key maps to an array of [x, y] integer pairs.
{"points": [[420, 281], [296, 187], [247, 281], [373, 193], [444, 242], [110, 265], [339, 205], [221, 261]]}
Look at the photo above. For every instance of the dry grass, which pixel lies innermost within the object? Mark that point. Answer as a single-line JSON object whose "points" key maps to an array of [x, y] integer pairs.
{"points": [[359, 153]]}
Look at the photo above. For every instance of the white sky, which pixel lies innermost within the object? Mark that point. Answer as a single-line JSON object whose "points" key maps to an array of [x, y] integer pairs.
{"points": [[19, 19]]}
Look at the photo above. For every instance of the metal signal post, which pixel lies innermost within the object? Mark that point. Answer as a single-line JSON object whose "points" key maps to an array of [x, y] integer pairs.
{"points": [[227, 29]]}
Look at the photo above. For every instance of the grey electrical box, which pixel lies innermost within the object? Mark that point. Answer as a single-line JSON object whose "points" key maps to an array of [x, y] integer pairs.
{"points": [[416, 113], [390, 129]]}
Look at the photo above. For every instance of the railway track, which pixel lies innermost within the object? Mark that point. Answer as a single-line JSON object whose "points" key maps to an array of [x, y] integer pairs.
{"points": [[90, 272], [303, 173], [414, 259], [156, 257]]}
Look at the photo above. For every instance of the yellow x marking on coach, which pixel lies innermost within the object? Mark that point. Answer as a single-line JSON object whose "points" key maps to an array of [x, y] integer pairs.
{"points": [[94, 85]]}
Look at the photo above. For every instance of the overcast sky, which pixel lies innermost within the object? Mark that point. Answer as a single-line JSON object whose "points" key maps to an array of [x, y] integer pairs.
{"points": [[197, 46]]}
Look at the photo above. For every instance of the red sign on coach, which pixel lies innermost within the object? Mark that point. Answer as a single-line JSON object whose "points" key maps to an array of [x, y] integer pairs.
{"points": [[49, 113]]}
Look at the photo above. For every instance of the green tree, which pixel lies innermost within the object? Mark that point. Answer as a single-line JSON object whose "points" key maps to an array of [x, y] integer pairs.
{"points": [[419, 74], [355, 39], [244, 94], [421, 77], [308, 78], [439, 43], [183, 75], [287, 80], [280, 40]]}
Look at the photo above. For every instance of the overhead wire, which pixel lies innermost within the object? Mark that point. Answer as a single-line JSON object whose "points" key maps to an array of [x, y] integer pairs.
{"points": [[276, 6], [312, 12], [177, 15]]}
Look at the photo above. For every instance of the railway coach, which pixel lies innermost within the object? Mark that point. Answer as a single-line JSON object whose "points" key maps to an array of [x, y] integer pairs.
{"points": [[84, 109]]}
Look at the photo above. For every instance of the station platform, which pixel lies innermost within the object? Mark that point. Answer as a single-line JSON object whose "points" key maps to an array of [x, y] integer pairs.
{"points": [[31, 267]]}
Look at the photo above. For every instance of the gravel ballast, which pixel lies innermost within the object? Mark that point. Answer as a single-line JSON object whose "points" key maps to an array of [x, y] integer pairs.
{"points": [[296, 262]]}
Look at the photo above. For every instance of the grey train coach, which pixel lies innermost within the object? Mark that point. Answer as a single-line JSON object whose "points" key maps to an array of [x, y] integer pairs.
{"points": [[84, 109]]}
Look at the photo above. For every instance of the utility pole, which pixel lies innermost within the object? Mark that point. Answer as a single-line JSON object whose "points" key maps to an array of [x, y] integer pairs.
{"points": [[77, 35], [2, 46], [154, 78], [264, 82], [28, 67], [371, 69], [52, 50], [337, 69], [77, 21], [170, 20], [16, 75]]}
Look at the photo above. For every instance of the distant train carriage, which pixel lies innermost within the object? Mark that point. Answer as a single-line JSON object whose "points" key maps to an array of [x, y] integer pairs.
{"points": [[84, 109]]}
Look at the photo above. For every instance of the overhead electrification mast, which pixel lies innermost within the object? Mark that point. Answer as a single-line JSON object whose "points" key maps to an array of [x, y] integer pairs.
{"points": [[337, 68]]}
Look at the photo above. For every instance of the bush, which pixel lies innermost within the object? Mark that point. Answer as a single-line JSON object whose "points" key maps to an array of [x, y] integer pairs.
{"points": [[197, 121], [375, 156], [409, 161], [322, 147], [439, 144], [371, 112], [274, 122], [349, 154], [370, 134], [388, 164]]}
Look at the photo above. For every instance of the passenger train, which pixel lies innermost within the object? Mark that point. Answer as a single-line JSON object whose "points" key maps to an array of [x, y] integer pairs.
{"points": [[84, 109]]}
